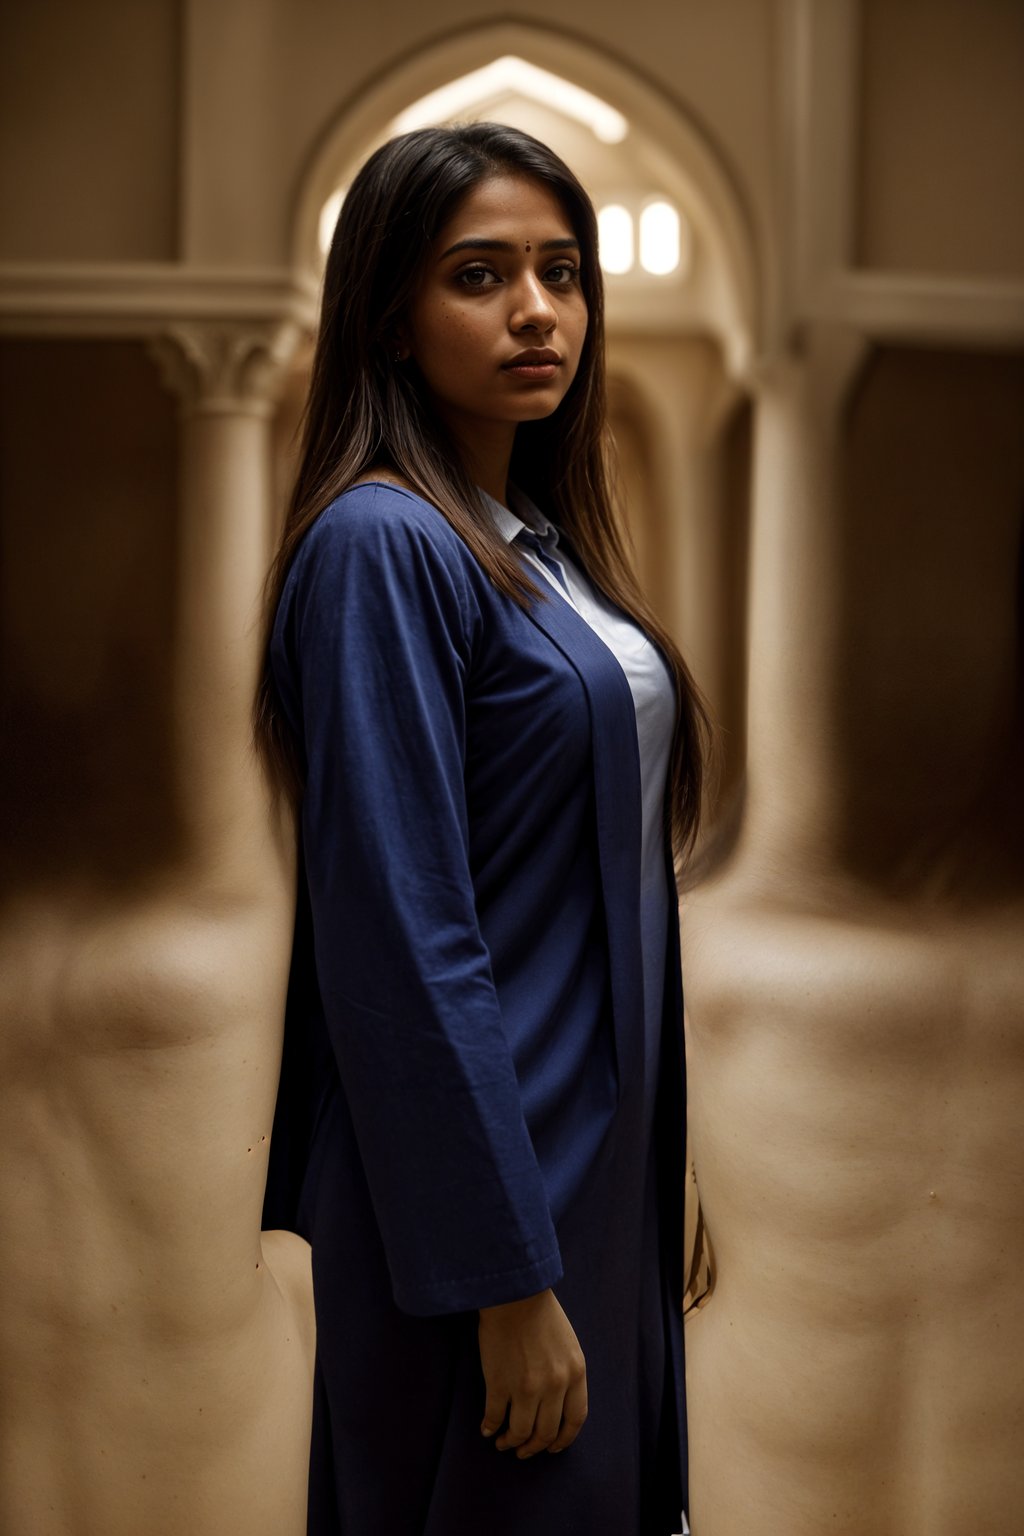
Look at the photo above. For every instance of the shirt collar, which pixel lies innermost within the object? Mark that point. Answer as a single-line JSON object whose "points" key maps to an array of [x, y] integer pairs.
{"points": [[520, 515]]}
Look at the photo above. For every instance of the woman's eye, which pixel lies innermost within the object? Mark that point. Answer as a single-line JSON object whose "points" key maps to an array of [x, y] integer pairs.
{"points": [[563, 274], [476, 277]]}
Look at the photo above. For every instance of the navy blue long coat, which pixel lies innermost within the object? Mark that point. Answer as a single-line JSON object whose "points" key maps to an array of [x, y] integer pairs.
{"points": [[461, 1118]]}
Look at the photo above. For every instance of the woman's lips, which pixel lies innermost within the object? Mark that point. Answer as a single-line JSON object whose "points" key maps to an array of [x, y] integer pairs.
{"points": [[532, 370]]}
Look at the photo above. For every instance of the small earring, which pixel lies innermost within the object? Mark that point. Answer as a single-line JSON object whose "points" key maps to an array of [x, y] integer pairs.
{"points": [[398, 355]]}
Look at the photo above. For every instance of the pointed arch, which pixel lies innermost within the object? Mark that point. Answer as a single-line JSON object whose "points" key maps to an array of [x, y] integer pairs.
{"points": [[678, 143]]}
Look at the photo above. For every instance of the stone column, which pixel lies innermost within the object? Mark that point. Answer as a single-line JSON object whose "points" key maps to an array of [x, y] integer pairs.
{"points": [[688, 400], [709, 549], [227, 379], [795, 588]]}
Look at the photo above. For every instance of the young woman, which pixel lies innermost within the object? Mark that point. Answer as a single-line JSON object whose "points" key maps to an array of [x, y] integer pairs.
{"points": [[491, 738]]}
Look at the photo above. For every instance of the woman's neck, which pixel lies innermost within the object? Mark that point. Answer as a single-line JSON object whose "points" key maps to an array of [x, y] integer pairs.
{"points": [[486, 452]]}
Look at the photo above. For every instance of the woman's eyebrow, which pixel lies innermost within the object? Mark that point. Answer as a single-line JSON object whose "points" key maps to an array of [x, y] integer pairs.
{"points": [[481, 243]]}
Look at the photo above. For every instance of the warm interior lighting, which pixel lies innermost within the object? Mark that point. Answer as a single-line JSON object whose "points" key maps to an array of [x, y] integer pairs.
{"points": [[615, 238], [659, 239], [513, 74], [329, 217]]}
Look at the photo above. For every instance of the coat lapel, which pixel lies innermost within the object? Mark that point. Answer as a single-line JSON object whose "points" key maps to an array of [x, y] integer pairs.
{"points": [[616, 767]]}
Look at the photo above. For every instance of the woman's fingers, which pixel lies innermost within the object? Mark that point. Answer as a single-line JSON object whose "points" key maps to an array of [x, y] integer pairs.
{"points": [[574, 1415], [545, 1427], [548, 1424], [521, 1419], [495, 1409]]}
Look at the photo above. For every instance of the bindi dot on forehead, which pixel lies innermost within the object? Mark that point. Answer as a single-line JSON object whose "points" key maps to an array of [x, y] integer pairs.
{"points": [[529, 247]]}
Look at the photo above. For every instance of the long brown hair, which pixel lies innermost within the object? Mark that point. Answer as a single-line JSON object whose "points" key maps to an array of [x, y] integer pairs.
{"points": [[365, 412]]}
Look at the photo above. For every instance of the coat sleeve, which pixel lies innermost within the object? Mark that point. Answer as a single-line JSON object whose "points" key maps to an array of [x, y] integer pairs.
{"points": [[381, 634]]}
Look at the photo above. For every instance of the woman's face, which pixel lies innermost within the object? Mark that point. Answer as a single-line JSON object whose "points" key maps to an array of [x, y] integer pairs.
{"points": [[498, 322]]}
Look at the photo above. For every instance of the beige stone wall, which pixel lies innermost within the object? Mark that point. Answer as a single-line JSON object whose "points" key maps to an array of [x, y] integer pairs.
{"points": [[88, 581], [928, 614], [942, 145], [90, 106]]}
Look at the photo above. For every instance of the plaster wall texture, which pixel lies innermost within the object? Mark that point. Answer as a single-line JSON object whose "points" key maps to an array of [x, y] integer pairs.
{"points": [[89, 120], [927, 615], [88, 530], [942, 137]]}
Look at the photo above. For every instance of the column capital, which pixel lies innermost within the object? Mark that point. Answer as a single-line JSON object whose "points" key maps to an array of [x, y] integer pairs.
{"points": [[820, 366], [226, 366]]}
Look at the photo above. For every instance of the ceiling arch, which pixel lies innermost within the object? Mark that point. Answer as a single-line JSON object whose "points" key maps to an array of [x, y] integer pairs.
{"points": [[683, 157]]}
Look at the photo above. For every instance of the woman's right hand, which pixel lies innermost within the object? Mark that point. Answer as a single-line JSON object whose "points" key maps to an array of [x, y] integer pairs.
{"points": [[535, 1372]]}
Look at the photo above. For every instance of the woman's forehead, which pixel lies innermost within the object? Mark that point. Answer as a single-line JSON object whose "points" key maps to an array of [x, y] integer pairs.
{"points": [[507, 206]]}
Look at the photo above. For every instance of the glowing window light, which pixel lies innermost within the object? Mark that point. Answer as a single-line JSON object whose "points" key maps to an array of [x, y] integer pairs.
{"points": [[659, 239], [615, 238], [329, 217], [510, 73]]}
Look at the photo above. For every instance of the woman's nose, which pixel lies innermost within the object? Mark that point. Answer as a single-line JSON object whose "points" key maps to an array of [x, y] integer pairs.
{"points": [[533, 308]]}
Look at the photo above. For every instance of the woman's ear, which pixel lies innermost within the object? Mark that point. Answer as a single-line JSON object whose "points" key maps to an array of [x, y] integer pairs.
{"points": [[396, 343]]}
